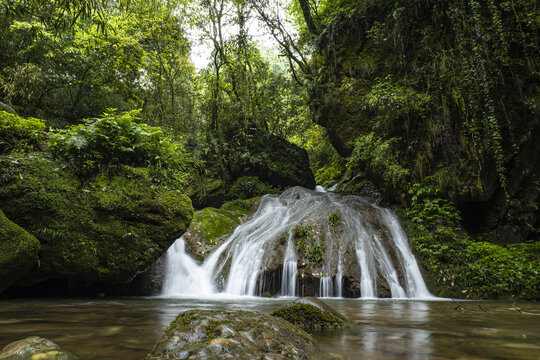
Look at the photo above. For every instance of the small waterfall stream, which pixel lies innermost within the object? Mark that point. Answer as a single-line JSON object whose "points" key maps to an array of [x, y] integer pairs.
{"points": [[366, 255]]}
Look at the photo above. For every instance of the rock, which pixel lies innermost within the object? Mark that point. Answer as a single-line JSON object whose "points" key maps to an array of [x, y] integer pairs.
{"points": [[211, 226], [34, 348], [321, 305], [272, 159], [107, 229], [18, 252], [321, 245], [214, 334], [311, 313]]}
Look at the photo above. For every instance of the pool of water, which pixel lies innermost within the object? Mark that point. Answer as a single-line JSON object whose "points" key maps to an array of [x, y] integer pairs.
{"points": [[127, 328]]}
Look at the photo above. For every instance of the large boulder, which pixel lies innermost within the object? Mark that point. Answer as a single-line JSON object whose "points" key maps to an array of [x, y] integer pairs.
{"points": [[18, 252], [271, 158], [34, 348], [311, 313], [208, 229], [108, 228], [214, 334]]}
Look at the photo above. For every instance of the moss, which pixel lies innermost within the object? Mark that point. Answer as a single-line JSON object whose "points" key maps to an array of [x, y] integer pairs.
{"points": [[334, 219], [309, 316], [461, 266], [211, 225], [20, 134], [18, 252], [106, 229]]}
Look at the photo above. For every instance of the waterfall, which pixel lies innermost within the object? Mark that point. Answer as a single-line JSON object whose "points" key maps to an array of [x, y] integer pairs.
{"points": [[183, 274], [292, 237], [290, 267]]}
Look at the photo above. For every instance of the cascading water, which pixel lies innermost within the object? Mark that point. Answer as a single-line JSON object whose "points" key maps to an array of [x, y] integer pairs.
{"points": [[291, 239]]}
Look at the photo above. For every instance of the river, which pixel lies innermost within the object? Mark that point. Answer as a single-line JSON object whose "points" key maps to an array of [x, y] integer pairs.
{"points": [[127, 328]]}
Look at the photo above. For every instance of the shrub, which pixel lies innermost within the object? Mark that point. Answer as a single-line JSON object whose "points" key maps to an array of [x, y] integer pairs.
{"points": [[19, 134], [116, 139]]}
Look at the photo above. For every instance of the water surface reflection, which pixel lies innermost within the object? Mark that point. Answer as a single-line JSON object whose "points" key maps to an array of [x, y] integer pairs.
{"points": [[127, 328]]}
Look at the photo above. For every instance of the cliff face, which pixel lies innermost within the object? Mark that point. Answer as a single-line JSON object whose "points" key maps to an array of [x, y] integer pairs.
{"points": [[440, 93]]}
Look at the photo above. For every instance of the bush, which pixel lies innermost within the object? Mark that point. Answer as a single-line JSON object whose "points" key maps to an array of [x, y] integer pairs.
{"points": [[19, 134], [116, 139], [247, 187], [464, 266]]}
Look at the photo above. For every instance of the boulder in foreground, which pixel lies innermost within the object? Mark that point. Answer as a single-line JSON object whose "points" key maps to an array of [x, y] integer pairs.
{"points": [[214, 334], [34, 348]]}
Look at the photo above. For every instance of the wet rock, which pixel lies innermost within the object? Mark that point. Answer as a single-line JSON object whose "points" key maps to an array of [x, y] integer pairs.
{"points": [[311, 313], [211, 226], [213, 334], [34, 348]]}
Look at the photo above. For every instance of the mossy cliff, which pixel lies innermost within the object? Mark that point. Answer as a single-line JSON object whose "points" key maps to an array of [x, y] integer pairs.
{"points": [[445, 93], [104, 227], [437, 103]]}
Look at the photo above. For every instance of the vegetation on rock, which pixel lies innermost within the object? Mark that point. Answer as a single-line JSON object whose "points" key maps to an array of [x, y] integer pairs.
{"points": [[309, 316], [108, 225], [203, 334]]}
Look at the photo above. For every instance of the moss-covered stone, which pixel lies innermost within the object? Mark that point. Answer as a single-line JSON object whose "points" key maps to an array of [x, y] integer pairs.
{"points": [[272, 159], [311, 313], [35, 348], [106, 229], [18, 252], [210, 226], [214, 334]]}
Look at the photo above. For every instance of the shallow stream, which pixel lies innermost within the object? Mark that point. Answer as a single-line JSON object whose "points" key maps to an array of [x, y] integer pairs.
{"points": [[127, 328]]}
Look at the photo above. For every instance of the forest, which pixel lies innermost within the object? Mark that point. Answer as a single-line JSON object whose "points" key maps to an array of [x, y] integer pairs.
{"points": [[127, 124]]}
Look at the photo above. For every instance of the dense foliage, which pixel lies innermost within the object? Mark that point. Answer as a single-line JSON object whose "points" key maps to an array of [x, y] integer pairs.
{"points": [[116, 139], [19, 134], [461, 265]]}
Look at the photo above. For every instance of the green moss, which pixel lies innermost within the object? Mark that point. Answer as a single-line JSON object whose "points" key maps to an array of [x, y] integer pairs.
{"points": [[20, 134], [334, 219], [462, 266], [108, 229], [18, 252], [309, 316]]}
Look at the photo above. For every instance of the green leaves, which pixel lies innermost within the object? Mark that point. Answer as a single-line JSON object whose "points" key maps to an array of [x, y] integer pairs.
{"points": [[115, 140], [19, 134]]}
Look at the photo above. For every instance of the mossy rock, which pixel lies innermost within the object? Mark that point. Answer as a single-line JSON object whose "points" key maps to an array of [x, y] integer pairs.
{"points": [[311, 313], [108, 229], [272, 159], [34, 348], [215, 334], [211, 226], [18, 252]]}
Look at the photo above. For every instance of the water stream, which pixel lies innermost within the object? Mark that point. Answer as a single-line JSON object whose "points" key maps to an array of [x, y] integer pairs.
{"points": [[382, 255], [391, 329]]}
